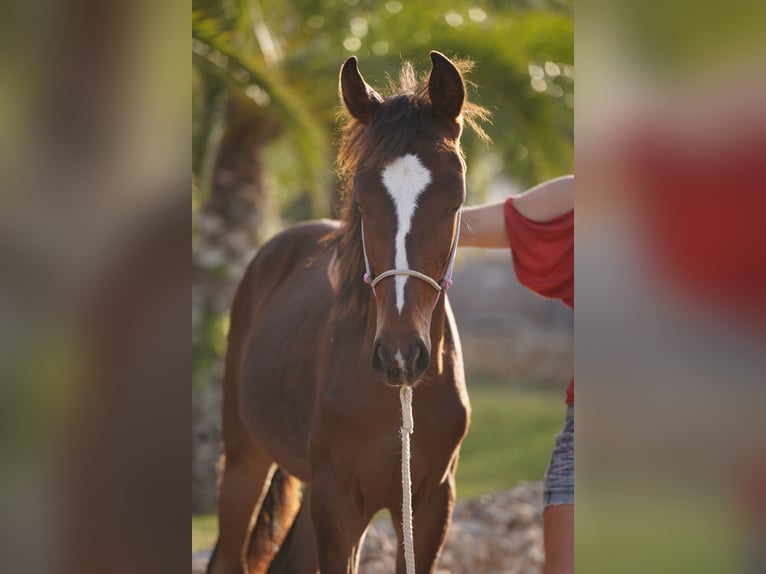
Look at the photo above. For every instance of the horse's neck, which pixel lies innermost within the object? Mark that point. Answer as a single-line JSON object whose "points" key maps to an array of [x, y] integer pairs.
{"points": [[439, 322]]}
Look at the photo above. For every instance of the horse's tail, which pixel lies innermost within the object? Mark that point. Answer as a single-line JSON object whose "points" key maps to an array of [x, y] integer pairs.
{"points": [[279, 507]]}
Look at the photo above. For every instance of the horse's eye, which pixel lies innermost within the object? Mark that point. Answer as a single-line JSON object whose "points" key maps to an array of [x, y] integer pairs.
{"points": [[454, 210]]}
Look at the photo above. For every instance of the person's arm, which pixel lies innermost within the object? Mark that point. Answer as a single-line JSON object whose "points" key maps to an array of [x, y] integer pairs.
{"points": [[484, 225]]}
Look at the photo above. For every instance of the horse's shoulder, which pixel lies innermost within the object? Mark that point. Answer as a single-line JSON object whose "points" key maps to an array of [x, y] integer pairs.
{"points": [[293, 246], [301, 237]]}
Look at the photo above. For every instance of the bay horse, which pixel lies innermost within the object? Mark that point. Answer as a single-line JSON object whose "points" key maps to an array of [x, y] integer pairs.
{"points": [[312, 376]]}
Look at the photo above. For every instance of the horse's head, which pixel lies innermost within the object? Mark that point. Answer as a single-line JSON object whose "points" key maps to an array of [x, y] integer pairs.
{"points": [[408, 186]]}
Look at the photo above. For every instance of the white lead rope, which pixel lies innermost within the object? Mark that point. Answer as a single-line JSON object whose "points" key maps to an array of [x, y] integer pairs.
{"points": [[405, 396]]}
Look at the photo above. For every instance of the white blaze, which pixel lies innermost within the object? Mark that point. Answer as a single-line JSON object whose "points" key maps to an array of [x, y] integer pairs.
{"points": [[399, 359], [405, 179]]}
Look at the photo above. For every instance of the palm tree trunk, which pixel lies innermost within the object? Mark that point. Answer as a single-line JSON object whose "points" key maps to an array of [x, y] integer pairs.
{"points": [[231, 225]]}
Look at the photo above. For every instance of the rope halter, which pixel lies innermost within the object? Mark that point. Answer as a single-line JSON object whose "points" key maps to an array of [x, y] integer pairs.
{"points": [[442, 285]]}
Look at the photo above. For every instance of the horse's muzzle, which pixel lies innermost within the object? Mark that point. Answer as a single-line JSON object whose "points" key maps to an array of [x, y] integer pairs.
{"points": [[400, 367]]}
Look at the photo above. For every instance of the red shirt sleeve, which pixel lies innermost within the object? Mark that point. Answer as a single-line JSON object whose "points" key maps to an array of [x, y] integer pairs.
{"points": [[543, 253], [543, 257]]}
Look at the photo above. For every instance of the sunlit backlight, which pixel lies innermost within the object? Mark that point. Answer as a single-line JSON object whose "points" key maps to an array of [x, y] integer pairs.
{"points": [[552, 69], [352, 43], [477, 14], [536, 71], [394, 7], [538, 84], [454, 19], [258, 95], [359, 27]]}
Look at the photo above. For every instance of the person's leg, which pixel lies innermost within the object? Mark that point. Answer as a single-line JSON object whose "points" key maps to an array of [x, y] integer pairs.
{"points": [[558, 539], [558, 503]]}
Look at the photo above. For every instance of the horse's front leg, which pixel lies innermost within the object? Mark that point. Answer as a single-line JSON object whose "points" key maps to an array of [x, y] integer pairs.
{"points": [[339, 525], [432, 511]]}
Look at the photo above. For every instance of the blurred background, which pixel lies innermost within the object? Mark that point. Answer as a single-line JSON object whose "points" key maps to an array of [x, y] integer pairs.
{"points": [[95, 363], [265, 117], [670, 266]]}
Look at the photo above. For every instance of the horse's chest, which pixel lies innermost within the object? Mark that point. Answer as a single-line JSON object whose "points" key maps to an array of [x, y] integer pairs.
{"points": [[438, 432], [439, 429]]}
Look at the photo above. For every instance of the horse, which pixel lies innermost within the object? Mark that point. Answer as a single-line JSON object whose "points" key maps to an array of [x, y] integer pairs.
{"points": [[312, 376]]}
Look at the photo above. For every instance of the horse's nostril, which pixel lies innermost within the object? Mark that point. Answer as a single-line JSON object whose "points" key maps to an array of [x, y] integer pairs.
{"points": [[417, 350], [418, 358], [379, 358], [400, 367]]}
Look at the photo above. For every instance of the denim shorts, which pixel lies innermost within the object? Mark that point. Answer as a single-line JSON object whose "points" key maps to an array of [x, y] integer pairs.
{"points": [[558, 487]]}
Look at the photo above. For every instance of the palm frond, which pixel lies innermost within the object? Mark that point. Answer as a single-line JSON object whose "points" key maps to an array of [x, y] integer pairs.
{"points": [[221, 64]]}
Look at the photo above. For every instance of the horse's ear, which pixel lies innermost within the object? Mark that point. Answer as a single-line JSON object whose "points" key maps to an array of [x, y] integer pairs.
{"points": [[360, 100], [445, 87]]}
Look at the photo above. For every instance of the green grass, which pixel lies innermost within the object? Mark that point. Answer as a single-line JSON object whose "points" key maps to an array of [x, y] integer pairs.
{"points": [[510, 439], [204, 531]]}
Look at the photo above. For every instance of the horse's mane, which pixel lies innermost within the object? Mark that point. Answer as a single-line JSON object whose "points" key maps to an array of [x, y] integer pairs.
{"points": [[401, 118]]}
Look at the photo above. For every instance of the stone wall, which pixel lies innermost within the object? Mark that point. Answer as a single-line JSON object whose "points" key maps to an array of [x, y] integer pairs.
{"points": [[508, 333], [492, 534]]}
